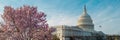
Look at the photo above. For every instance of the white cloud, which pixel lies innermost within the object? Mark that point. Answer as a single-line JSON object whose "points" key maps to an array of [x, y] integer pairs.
{"points": [[108, 19], [62, 20]]}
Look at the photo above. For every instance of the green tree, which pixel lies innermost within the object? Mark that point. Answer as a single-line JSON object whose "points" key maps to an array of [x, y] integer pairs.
{"points": [[55, 37]]}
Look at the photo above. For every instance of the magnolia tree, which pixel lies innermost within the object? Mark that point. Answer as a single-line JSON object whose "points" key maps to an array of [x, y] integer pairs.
{"points": [[24, 23]]}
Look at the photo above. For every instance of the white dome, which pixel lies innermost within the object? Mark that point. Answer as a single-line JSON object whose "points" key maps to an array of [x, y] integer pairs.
{"points": [[85, 21]]}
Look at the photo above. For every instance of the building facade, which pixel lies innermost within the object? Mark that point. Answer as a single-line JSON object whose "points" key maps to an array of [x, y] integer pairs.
{"points": [[113, 37], [84, 30]]}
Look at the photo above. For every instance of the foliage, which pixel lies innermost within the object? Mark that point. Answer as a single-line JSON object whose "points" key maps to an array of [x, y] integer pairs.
{"points": [[24, 23], [55, 37]]}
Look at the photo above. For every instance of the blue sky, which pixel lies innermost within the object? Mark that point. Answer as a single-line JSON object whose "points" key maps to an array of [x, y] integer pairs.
{"points": [[66, 12]]}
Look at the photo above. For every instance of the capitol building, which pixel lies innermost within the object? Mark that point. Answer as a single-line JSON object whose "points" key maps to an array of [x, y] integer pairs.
{"points": [[84, 30]]}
